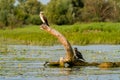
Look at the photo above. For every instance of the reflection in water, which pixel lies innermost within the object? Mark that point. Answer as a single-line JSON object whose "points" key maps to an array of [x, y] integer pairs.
{"points": [[26, 63]]}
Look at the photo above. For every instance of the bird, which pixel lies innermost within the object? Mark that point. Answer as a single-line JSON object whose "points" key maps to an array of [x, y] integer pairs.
{"points": [[43, 18], [78, 55]]}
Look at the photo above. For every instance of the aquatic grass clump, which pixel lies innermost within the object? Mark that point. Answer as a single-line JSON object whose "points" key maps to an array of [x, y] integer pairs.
{"points": [[77, 34], [96, 33], [29, 35]]}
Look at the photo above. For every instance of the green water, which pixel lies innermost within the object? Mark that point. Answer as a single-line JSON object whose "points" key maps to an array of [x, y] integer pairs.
{"points": [[21, 62]]}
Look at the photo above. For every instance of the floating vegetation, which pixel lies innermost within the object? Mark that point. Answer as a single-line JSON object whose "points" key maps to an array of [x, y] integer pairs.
{"points": [[3, 49]]}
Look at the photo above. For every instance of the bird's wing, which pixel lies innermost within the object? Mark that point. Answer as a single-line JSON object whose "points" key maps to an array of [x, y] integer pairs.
{"points": [[45, 19]]}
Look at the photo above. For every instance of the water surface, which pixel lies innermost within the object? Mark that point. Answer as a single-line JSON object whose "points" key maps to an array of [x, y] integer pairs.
{"points": [[21, 62]]}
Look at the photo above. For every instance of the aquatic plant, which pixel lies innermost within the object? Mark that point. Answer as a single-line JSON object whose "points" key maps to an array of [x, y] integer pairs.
{"points": [[77, 34], [3, 49]]}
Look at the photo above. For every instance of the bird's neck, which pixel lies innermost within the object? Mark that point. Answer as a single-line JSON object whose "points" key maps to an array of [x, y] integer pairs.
{"points": [[76, 51], [41, 15]]}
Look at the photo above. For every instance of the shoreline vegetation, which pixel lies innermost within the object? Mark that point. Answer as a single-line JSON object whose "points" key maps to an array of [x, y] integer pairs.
{"points": [[77, 34]]}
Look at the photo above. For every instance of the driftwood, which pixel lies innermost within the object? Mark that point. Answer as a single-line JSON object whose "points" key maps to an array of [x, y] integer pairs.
{"points": [[69, 57]]}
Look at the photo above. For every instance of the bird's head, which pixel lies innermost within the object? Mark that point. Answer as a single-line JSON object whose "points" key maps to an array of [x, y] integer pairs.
{"points": [[75, 49], [41, 12]]}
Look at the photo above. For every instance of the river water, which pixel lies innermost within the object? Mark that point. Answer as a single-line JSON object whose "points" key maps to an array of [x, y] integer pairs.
{"points": [[22, 62]]}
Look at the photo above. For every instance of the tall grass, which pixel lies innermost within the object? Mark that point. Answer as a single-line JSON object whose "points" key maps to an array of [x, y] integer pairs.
{"points": [[77, 34]]}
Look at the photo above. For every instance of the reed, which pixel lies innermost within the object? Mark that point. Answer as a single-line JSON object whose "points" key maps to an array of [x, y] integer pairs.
{"points": [[77, 34]]}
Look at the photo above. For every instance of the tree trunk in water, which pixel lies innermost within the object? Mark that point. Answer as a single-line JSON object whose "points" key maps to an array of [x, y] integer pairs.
{"points": [[69, 57]]}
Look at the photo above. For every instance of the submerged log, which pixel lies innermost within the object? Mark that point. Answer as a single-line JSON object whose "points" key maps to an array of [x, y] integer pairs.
{"points": [[103, 65]]}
